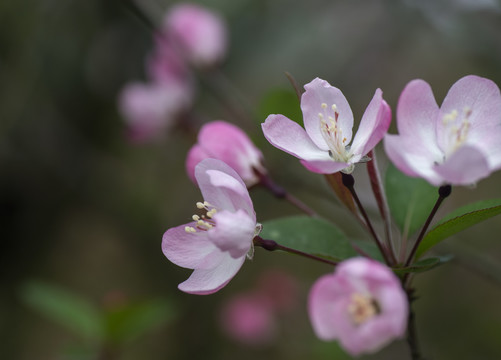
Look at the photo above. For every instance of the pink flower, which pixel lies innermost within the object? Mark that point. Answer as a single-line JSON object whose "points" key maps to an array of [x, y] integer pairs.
{"points": [[150, 109], [199, 33], [226, 142], [328, 121], [362, 305], [248, 319], [216, 244], [458, 143]]}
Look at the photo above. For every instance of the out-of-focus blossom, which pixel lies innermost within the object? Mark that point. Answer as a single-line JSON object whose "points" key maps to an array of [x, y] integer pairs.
{"points": [[226, 142], [165, 64], [215, 244], [324, 146], [281, 290], [458, 143], [199, 33], [249, 319], [150, 109], [361, 304]]}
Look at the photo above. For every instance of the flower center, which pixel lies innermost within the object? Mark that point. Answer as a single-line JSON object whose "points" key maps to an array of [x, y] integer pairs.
{"points": [[456, 128], [362, 308], [202, 222], [333, 135]]}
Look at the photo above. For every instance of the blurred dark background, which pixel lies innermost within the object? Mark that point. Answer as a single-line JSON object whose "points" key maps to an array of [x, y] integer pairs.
{"points": [[84, 209]]}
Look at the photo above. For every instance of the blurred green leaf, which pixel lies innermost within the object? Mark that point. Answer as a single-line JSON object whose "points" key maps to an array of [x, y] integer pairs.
{"points": [[66, 308], [424, 265], [129, 321], [310, 235], [370, 248], [458, 220], [410, 200], [280, 101]]}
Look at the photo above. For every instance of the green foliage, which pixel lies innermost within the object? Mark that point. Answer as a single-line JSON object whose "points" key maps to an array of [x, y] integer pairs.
{"points": [[310, 235], [280, 101], [126, 322], [424, 265], [410, 200], [68, 309], [458, 220]]}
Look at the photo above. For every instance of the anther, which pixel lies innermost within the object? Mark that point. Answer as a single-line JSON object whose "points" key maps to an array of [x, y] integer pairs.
{"points": [[324, 106], [189, 229]]}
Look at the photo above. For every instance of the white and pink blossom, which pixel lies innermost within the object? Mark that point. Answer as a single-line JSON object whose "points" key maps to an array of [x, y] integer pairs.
{"points": [[199, 34], [224, 141], [214, 244], [323, 146], [362, 305], [458, 143]]}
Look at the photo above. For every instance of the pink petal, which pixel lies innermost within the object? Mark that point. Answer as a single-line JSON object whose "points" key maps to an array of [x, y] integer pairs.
{"points": [[288, 136], [320, 92], [226, 142], [373, 126], [195, 155], [222, 187], [233, 232], [190, 250], [411, 160], [208, 281], [466, 166], [324, 166]]}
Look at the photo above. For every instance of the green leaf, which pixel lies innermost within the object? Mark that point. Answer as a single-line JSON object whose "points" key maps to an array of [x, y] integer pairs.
{"points": [[280, 101], [310, 235], [66, 308], [424, 265], [458, 220], [129, 321], [410, 200]]}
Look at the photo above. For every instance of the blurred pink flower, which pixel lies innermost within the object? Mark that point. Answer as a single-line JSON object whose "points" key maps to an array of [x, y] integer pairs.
{"points": [[361, 304], [328, 121], [458, 143], [216, 244], [199, 33], [226, 142], [248, 319], [165, 64], [150, 109]]}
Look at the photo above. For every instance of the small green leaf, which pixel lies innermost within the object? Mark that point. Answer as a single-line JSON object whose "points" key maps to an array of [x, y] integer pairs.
{"points": [[66, 308], [132, 320], [310, 235], [280, 101], [424, 265], [458, 220], [410, 200]]}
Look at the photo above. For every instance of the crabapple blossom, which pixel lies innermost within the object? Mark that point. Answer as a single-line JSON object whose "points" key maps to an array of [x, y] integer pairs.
{"points": [[199, 33], [323, 146], [215, 244], [227, 142], [458, 143], [361, 304]]}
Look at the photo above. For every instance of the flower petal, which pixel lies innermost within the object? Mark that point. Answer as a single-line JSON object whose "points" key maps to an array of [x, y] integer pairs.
{"points": [[373, 126], [233, 232], [208, 281], [190, 250], [466, 166], [320, 92], [222, 187], [195, 155], [324, 166], [288, 136]]}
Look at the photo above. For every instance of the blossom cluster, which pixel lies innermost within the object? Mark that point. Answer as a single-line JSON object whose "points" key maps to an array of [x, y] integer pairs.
{"points": [[362, 304], [189, 37]]}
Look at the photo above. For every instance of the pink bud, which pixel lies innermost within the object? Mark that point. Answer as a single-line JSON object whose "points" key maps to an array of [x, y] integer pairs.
{"points": [[199, 33], [226, 142]]}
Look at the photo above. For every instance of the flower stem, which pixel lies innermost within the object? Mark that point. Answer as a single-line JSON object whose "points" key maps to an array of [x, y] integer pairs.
{"points": [[281, 193], [272, 245], [443, 192], [349, 182], [411, 329]]}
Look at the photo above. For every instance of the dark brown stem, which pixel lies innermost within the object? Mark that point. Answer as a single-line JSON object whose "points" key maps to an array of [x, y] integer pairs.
{"points": [[411, 329], [349, 182], [443, 192], [272, 245]]}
